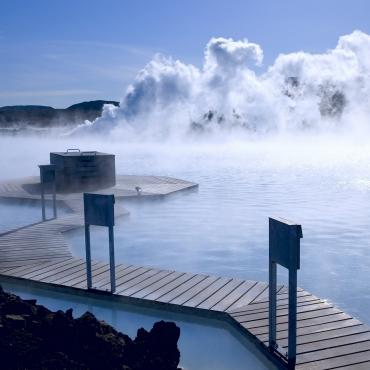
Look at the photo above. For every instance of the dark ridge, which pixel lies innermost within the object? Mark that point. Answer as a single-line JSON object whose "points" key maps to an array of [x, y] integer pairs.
{"points": [[39, 116], [92, 105], [27, 108]]}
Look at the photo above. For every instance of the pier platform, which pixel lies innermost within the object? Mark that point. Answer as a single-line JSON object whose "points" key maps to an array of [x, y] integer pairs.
{"points": [[150, 186]]}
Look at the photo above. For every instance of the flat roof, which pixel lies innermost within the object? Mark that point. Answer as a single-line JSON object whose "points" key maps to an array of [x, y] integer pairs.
{"points": [[81, 153]]}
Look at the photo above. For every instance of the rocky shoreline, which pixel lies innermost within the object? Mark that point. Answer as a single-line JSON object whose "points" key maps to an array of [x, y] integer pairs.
{"points": [[33, 337]]}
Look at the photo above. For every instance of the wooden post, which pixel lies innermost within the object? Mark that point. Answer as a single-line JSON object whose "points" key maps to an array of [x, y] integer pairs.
{"points": [[111, 260], [43, 201], [88, 256], [54, 199], [284, 249], [99, 210], [272, 304], [47, 176], [292, 319]]}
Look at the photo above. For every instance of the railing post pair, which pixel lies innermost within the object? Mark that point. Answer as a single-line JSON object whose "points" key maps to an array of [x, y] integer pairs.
{"points": [[284, 249], [99, 210]]}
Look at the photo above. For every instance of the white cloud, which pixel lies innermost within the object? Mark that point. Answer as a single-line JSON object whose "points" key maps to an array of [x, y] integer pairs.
{"points": [[300, 90], [227, 53]]}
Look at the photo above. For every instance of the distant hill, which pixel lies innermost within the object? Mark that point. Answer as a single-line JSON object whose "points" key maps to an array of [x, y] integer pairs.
{"points": [[39, 116]]}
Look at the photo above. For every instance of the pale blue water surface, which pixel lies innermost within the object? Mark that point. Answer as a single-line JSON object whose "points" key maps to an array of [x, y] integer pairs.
{"points": [[19, 213], [321, 182], [223, 227]]}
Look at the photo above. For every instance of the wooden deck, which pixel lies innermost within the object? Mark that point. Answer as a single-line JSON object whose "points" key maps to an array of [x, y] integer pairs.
{"points": [[151, 186], [327, 337]]}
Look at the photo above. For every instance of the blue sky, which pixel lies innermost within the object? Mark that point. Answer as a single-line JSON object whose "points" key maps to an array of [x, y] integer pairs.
{"points": [[57, 53]]}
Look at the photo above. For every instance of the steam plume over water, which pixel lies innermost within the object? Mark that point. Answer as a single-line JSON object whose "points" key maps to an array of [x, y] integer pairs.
{"points": [[299, 91]]}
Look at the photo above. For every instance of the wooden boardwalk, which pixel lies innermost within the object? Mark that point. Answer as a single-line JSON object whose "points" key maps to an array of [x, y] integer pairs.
{"points": [[327, 337]]}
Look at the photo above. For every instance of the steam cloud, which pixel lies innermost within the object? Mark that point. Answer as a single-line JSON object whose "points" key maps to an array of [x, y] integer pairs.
{"points": [[299, 91]]}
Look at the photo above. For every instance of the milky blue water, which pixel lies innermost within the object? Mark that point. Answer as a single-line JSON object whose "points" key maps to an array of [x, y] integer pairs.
{"points": [[15, 214], [223, 227], [321, 182], [204, 344]]}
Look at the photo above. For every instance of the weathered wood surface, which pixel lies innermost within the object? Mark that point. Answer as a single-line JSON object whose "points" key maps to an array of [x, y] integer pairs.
{"points": [[327, 337], [184, 289], [27, 188]]}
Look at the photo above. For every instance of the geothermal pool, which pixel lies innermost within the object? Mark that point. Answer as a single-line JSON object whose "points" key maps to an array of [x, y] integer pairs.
{"points": [[321, 182], [204, 344], [223, 229]]}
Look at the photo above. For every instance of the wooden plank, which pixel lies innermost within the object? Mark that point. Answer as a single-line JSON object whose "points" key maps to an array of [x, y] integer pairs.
{"points": [[245, 309], [338, 360], [28, 242], [51, 269], [325, 335], [207, 292], [35, 236], [283, 312], [304, 319], [51, 276], [158, 285], [188, 294], [49, 256], [285, 289], [81, 280], [321, 328], [137, 280], [28, 235], [254, 306], [249, 296], [79, 273], [34, 257], [360, 366], [104, 279], [29, 262], [19, 271], [264, 295], [333, 342], [282, 296], [144, 284], [317, 323], [218, 296], [169, 287], [125, 277], [173, 294], [3, 270], [44, 246]]}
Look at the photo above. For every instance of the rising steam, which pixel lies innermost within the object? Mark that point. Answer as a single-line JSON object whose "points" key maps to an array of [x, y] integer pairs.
{"points": [[315, 92]]}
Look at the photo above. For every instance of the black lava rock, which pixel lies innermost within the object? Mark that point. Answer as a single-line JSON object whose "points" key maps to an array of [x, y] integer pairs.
{"points": [[33, 337]]}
